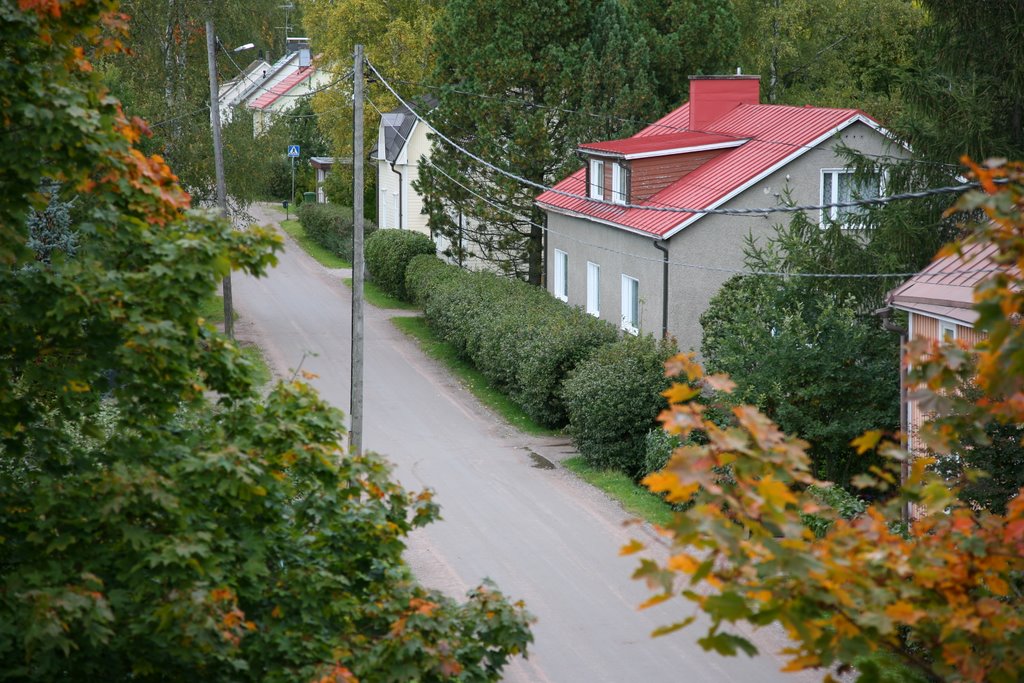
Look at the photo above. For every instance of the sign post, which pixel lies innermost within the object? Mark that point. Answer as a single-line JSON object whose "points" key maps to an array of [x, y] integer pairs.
{"points": [[293, 152]]}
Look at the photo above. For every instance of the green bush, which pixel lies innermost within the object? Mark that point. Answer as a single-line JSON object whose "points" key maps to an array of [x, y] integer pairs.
{"points": [[330, 226], [843, 504], [613, 399], [522, 339], [658, 447], [424, 275], [388, 253]]}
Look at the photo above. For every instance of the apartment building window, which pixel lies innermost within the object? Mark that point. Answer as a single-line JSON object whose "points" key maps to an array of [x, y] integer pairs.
{"points": [[593, 289], [596, 179], [620, 184], [630, 304], [561, 271], [838, 185]]}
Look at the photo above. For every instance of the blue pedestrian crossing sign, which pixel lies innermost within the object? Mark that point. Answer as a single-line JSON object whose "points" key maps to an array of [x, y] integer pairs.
{"points": [[293, 150]]}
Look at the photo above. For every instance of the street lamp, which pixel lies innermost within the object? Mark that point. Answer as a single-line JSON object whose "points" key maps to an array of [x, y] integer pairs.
{"points": [[218, 159]]}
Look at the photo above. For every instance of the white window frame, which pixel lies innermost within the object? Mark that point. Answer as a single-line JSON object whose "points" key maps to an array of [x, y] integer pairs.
{"points": [[561, 275], [831, 214], [619, 179], [594, 289], [945, 327], [630, 304], [596, 189]]}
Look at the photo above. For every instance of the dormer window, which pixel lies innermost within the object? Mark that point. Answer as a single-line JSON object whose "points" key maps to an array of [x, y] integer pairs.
{"points": [[596, 189], [643, 166], [620, 184]]}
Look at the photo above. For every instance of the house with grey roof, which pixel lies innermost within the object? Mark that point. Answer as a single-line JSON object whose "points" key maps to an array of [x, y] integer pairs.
{"points": [[401, 143]]}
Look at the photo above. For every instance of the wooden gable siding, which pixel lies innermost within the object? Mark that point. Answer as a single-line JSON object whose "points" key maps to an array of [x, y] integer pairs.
{"points": [[927, 327], [652, 175]]}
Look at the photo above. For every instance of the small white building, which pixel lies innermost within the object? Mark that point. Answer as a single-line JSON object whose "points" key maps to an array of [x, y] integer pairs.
{"points": [[232, 92], [297, 78], [401, 143]]}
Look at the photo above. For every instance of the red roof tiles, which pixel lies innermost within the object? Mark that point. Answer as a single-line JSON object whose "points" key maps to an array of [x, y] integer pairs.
{"points": [[775, 135], [282, 87]]}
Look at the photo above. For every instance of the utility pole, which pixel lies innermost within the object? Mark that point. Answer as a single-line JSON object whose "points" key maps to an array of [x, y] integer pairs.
{"points": [[218, 162], [356, 399]]}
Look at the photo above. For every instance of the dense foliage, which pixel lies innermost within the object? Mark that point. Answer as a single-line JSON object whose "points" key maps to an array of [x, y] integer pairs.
{"points": [[298, 127], [809, 362], [943, 596], [520, 337], [330, 226], [513, 96], [613, 398], [388, 253], [163, 77], [159, 519]]}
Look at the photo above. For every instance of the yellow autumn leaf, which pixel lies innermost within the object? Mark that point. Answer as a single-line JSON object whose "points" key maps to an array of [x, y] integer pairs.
{"points": [[654, 600], [684, 363], [867, 441], [668, 483], [680, 393], [997, 585], [634, 546], [775, 493], [683, 563], [802, 662], [77, 387], [903, 612]]}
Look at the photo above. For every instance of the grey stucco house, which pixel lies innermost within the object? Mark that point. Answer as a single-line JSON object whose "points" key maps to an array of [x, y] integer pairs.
{"points": [[655, 271]]}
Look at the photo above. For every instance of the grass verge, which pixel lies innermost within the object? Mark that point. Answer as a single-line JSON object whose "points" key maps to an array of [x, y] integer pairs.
{"points": [[261, 371], [325, 257], [379, 299], [634, 498], [474, 380], [212, 309]]}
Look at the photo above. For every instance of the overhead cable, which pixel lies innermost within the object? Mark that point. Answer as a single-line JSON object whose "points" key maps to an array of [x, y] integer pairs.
{"points": [[679, 264], [615, 207]]}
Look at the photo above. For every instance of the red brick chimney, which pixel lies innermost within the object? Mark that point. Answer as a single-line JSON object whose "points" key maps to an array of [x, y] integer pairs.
{"points": [[712, 97]]}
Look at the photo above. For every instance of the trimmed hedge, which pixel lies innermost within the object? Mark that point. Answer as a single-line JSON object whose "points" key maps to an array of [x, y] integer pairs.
{"points": [[330, 226], [613, 399], [388, 253], [520, 337], [658, 447]]}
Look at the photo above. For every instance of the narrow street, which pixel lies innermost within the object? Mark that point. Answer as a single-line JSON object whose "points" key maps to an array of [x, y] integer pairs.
{"points": [[541, 534]]}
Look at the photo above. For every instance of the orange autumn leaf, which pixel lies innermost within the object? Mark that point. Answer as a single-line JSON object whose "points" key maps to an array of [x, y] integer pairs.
{"points": [[905, 613], [680, 393], [668, 483], [683, 563]]}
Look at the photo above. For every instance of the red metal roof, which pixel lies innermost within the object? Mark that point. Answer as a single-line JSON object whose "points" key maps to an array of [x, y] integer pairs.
{"points": [[774, 133], [282, 87], [659, 143], [946, 286]]}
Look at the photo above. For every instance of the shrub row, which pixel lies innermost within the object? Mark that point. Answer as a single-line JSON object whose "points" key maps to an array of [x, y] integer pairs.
{"points": [[330, 226], [614, 398], [388, 252], [522, 339]]}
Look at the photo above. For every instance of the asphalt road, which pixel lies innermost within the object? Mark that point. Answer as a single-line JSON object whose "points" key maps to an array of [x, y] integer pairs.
{"points": [[540, 533]]}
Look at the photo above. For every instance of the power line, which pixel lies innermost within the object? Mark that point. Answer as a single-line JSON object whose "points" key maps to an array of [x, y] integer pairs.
{"points": [[680, 264], [655, 124], [668, 209], [179, 116]]}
